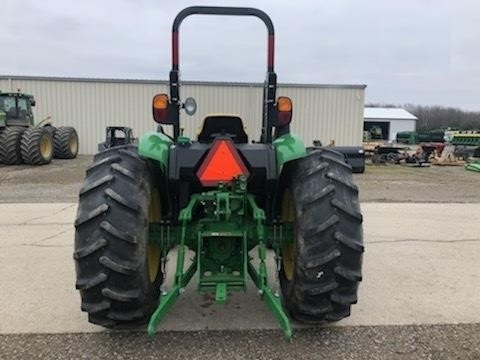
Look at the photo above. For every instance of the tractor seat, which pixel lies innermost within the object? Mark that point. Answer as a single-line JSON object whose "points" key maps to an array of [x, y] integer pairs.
{"points": [[223, 125]]}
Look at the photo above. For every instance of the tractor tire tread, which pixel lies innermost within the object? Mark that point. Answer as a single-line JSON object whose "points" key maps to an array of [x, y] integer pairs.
{"points": [[344, 299], [102, 321], [117, 266], [325, 287], [122, 170], [100, 164], [95, 184], [122, 200], [324, 258], [315, 170], [94, 308], [126, 315], [343, 181], [319, 196], [90, 248], [92, 214], [10, 145], [131, 154], [30, 146], [337, 161], [339, 205], [117, 233], [328, 247], [110, 244], [353, 244], [351, 275], [121, 295], [318, 229], [61, 143], [91, 282]]}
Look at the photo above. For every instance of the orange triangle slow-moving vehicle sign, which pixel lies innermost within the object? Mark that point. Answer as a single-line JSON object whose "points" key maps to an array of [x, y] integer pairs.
{"points": [[222, 164]]}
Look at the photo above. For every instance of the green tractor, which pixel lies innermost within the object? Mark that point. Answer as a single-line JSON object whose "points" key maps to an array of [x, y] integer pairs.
{"points": [[228, 200], [21, 141]]}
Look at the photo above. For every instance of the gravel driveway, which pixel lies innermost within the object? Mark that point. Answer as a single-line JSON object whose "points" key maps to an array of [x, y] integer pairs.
{"points": [[60, 181]]}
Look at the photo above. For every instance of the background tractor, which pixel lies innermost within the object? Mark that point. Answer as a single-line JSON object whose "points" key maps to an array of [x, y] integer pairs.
{"points": [[228, 200], [21, 141]]}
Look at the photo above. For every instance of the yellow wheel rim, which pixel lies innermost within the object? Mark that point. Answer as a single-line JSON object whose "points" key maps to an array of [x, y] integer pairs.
{"points": [[153, 250], [73, 143], [288, 215], [45, 147]]}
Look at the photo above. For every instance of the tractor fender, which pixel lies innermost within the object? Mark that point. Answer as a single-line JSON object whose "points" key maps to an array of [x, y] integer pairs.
{"points": [[156, 146], [288, 147]]}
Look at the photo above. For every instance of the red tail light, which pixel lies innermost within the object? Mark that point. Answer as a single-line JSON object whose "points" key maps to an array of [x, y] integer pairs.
{"points": [[222, 164]]}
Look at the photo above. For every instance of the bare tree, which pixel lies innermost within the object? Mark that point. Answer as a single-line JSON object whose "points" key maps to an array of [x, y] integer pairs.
{"points": [[439, 117]]}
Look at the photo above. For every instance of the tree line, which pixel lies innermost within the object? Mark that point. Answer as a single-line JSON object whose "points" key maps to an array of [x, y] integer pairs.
{"points": [[439, 117]]}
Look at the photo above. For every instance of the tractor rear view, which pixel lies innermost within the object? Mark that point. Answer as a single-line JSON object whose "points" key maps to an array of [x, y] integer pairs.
{"points": [[228, 200], [23, 141]]}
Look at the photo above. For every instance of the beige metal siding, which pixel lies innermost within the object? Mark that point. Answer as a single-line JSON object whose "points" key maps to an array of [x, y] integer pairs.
{"points": [[327, 114], [320, 112]]}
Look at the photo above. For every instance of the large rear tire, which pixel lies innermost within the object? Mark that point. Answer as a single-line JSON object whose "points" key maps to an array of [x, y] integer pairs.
{"points": [[321, 270], [36, 146], [10, 152], [65, 143], [118, 270]]}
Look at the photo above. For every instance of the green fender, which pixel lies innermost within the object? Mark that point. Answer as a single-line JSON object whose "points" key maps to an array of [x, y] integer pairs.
{"points": [[154, 145], [288, 147]]}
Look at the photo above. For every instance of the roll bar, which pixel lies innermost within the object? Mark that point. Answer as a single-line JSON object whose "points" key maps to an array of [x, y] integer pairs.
{"points": [[270, 84]]}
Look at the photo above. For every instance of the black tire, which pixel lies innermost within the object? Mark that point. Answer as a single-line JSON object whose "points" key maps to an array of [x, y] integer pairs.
{"points": [[10, 139], [328, 240], [65, 143], [36, 146], [50, 129], [392, 158], [111, 241], [358, 170]]}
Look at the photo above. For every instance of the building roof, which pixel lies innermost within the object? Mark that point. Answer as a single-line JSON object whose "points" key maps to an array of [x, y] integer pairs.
{"points": [[387, 113], [165, 82]]}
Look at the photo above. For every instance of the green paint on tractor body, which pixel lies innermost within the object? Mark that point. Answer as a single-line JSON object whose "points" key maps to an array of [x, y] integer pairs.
{"points": [[288, 147], [232, 226], [156, 146]]}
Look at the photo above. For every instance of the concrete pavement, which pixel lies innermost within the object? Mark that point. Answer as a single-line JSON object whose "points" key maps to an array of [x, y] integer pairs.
{"points": [[421, 266]]}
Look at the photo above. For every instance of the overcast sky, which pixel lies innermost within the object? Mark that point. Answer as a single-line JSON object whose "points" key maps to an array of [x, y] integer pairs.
{"points": [[405, 51]]}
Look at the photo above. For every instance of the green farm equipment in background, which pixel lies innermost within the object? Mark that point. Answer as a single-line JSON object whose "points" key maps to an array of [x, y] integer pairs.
{"points": [[473, 166], [375, 133], [413, 137], [467, 144], [466, 139], [23, 141], [230, 201], [407, 137]]}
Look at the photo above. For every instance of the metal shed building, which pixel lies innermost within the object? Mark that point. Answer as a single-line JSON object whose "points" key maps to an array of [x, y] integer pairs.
{"points": [[390, 120], [323, 112]]}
